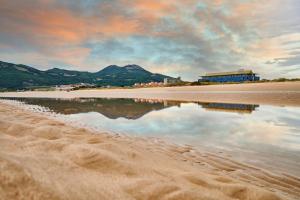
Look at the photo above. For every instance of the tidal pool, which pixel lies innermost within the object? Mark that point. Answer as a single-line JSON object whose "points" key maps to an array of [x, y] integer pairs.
{"points": [[265, 136]]}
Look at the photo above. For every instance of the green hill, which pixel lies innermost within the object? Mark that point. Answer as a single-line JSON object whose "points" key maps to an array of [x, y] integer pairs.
{"points": [[17, 76]]}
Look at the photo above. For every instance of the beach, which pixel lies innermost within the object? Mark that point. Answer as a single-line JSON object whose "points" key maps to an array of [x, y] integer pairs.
{"points": [[275, 93], [149, 100], [44, 158]]}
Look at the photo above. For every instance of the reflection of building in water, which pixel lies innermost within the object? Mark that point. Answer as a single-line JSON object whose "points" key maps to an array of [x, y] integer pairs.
{"points": [[127, 108], [229, 107]]}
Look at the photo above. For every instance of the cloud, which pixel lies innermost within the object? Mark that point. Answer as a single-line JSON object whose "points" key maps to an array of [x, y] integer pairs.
{"points": [[174, 37]]}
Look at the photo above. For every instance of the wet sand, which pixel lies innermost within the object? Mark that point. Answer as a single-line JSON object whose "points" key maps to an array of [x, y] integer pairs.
{"points": [[280, 94], [41, 158]]}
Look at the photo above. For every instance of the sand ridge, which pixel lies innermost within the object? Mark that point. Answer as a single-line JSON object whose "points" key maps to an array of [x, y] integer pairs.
{"points": [[41, 158]]}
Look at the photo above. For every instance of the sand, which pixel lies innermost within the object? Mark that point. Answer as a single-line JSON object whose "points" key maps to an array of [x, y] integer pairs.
{"points": [[280, 94], [41, 158]]}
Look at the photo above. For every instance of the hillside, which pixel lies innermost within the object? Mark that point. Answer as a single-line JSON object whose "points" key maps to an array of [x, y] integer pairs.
{"points": [[17, 76]]}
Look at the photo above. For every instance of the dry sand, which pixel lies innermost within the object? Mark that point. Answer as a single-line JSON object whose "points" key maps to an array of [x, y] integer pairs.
{"points": [[41, 158], [282, 93]]}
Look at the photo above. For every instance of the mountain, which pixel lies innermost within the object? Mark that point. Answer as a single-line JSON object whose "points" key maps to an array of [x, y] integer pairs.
{"points": [[17, 76], [127, 75]]}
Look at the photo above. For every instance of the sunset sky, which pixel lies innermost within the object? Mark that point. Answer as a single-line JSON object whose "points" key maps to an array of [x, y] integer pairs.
{"points": [[175, 37]]}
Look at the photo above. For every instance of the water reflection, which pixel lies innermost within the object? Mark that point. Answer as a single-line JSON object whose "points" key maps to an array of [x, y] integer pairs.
{"points": [[126, 108], [229, 107], [261, 135]]}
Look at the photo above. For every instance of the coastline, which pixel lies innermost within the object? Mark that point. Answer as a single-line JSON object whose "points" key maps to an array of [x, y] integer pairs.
{"points": [[278, 94], [43, 158]]}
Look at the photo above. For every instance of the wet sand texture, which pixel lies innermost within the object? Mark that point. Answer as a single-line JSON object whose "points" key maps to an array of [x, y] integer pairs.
{"points": [[41, 158]]}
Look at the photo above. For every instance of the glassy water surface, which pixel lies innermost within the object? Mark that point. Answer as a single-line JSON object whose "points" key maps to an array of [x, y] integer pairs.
{"points": [[265, 136]]}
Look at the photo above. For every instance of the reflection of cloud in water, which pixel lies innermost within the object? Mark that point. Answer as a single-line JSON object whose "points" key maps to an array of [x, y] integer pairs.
{"points": [[260, 131], [186, 122], [128, 108], [264, 131], [192, 123]]}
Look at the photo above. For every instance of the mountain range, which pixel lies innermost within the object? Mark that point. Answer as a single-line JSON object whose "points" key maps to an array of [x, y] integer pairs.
{"points": [[18, 76]]}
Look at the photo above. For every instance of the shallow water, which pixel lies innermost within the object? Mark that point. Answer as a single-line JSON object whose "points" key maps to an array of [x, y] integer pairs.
{"points": [[264, 136]]}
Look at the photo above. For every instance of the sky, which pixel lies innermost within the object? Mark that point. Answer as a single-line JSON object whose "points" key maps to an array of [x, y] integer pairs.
{"points": [[184, 38]]}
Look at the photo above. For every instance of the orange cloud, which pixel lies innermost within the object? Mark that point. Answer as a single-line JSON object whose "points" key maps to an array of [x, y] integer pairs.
{"points": [[61, 26], [215, 32], [151, 11], [117, 26]]}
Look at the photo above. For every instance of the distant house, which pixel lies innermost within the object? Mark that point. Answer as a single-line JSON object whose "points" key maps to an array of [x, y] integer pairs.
{"points": [[168, 81], [234, 76], [64, 88], [150, 84]]}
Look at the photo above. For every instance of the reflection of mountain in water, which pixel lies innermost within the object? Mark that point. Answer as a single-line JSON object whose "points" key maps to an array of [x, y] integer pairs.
{"points": [[229, 107], [111, 108], [126, 108]]}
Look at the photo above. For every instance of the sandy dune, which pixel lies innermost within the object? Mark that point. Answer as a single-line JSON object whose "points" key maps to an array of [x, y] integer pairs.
{"points": [[41, 158], [282, 93]]}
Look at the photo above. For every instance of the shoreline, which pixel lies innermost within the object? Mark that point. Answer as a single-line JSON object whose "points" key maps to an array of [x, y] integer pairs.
{"points": [[277, 94], [45, 107], [58, 161]]}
